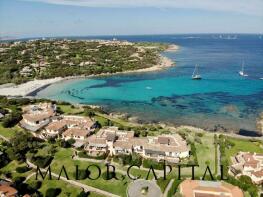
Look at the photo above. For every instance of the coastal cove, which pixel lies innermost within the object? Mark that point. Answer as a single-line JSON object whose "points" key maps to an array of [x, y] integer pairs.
{"points": [[222, 100]]}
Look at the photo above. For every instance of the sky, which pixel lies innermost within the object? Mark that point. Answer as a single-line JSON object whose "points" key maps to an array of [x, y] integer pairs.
{"points": [[40, 18]]}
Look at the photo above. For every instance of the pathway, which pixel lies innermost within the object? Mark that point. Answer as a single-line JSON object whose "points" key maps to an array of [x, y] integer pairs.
{"points": [[4, 138], [168, 188], [76, 183], [218, 159]]}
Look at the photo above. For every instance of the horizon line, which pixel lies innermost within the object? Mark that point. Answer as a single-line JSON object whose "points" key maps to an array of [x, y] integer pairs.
{"points": [[118, 35]]}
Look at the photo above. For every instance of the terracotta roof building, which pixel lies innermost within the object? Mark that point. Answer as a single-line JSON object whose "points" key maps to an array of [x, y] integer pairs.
{"points": [[196, 188], [7, 191], [76, 133], [35, 117], [249, 164], [166, 147]]}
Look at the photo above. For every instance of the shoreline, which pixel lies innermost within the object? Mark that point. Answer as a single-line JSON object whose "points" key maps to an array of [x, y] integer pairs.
{"points": [[32, 87]]}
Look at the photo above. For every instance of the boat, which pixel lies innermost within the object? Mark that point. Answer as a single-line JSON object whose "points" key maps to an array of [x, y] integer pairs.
{"points": [[261, 78], [241, 72], [196, 75]]}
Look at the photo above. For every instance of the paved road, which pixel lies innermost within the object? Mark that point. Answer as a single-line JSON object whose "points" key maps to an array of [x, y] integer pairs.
{"points": [[76, 183]]}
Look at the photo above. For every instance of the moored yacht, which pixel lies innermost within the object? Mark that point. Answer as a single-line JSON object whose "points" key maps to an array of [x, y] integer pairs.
{"points": [[241, 72], [196, 75]]}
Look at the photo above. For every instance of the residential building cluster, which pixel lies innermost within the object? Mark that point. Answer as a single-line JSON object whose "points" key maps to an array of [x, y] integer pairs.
{"points": [[42, 117], [249, 164], [171, 148]]}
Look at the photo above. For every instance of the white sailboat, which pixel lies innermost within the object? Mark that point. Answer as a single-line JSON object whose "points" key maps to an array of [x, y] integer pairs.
{"points": [[241, 72], [196, 75]]}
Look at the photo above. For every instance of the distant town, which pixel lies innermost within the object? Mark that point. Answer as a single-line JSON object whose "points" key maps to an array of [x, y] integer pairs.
{"points": [[21, 61]]}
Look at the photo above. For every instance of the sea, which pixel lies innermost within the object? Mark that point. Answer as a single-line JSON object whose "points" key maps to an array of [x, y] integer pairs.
{"points": [[222, 100]]}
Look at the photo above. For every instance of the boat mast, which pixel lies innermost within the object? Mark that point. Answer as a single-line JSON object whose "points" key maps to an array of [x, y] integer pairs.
{"points": [[194, 70]]}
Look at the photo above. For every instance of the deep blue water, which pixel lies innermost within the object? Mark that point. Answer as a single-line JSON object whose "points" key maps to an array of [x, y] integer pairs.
{"points": [[221, 97]]}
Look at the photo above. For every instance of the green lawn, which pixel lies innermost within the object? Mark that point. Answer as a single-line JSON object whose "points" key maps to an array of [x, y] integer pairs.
{"points": [[11, 168], [69, 110], [67, 189], [243, 145], [9, 132], [163, 183], [63, 157], [116, 120], [205, 154], [103, 121]]}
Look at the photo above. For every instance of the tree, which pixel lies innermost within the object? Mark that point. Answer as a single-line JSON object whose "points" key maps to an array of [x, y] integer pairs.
{"points": [[83, 194], [12, 119], [53, 192], [20, 145], [89, 112]]}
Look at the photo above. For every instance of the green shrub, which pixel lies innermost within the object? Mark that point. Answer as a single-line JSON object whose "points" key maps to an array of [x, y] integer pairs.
{"points": [[22, 169], [108, 176], [83, 174], [71, 141], [131, 159], [53, 192], [18, 180], [83, 154], [174, 188], [12, 119], [147, 163], [42, 161], [35, 185], [83, 194]]}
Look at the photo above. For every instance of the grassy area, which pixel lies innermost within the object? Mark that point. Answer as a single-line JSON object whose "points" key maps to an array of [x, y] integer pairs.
{"points": [[11, 168], [114, 186], [103, 121], [205, 154], [163, 183], [9, 132], [115, 120], [243, 145], [67, 189], [70, 110]]}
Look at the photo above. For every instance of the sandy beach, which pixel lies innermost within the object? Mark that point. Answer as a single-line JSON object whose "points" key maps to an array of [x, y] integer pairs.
{"points": [[30, 87], [173, 48]]}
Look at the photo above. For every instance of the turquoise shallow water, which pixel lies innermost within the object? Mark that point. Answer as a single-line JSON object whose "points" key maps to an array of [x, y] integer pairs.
{"points": [[222, 97]]}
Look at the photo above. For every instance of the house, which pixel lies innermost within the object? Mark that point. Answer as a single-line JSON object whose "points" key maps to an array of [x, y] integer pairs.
{"points": [[96, 145], [79, 121], [76, 134], [7, 191], [249, 164], [110, 139], [196, 188], [257, 177], [55, 128], [122, 147], [171, 148], [35, 117], [26, 71]]}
